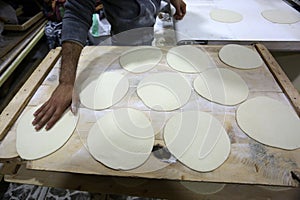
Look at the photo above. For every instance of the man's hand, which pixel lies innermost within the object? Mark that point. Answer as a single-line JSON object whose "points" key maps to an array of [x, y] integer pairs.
{"points": [[52, 110], [180, 7]]}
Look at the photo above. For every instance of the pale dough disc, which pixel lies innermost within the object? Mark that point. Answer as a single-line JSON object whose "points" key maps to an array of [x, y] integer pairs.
{"points": [[197, 139], [222, 86], [203, 188], [140, 59], [164, 91], [270, 122], [119, 145], [225, 16], [188, 59], [281, 16], [103, 91], [32, 144], [240, 57]]}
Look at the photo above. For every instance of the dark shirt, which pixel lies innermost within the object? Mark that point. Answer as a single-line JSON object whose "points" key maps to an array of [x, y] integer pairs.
{"points": [[123, 15]]}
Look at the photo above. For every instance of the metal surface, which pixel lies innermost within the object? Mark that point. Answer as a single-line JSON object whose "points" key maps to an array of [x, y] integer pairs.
{"points": [[296, 2], [198, 27]]}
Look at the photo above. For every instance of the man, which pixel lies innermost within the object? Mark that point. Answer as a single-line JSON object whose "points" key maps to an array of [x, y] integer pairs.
{"points": [[123, 15]]}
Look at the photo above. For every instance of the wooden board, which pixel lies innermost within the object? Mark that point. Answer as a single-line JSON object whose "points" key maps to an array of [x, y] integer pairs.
{"points": [[150, 187], [25, 25], [17, 41], [281, 78], [15, 63], [249, 162]]}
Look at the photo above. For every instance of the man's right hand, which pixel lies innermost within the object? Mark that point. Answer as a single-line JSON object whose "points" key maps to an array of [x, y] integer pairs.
{"points": [[52, 110]]}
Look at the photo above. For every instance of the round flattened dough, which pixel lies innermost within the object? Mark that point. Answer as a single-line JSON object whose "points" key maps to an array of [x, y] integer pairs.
{"points": [[188, 59], [226, 16], [118, 146], [281, 16], [164, 91], [32, 144], [198, 140], [222, 86], [203, 188], [103, 91], [140, 59], [240, 57], [270, 122]]}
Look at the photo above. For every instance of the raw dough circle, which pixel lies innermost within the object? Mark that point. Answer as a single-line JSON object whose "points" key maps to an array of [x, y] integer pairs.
{"points": [[203, 188], [240, 57], [32, 144], [140, 59], [222, 86], [226, 16], [281, 16], [164, 91], [119, 145], [197, 139], [188, 59], [103, 91], [270, 122]]}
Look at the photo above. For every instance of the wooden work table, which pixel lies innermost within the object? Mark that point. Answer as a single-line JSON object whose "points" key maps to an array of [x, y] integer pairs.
{"points": [[251, 171]]}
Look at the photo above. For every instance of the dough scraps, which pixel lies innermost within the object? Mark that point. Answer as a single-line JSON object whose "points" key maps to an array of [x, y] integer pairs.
{"points": [[140, 59], [270, 122], [240, 57], [222, 86], [225, 16], [32, 144], [281, 16], [164, 91], [188, 59], [103, 91], [121, 145], [197, 139]]}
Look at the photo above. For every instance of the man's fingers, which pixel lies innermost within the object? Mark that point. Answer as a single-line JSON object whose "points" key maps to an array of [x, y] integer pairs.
{"points": [[45, 118], [55, 117], [74, 107], [180, 15], [75, 102], [40, 109], [178, 10], [40, 113]]}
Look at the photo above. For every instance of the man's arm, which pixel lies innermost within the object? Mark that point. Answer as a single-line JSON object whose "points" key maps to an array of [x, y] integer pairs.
{"points": [[61, 98], [76, 22]]}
